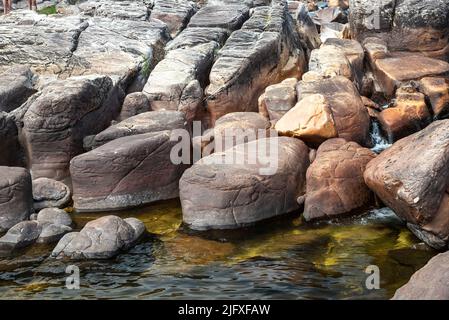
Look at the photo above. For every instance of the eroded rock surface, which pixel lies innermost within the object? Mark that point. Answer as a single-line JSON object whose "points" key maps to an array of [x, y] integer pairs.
{"points": [[16, 85], [49, 193]]}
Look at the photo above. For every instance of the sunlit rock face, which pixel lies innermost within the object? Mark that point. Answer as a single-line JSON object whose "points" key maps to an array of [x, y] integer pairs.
{"points": [[411, 177]]}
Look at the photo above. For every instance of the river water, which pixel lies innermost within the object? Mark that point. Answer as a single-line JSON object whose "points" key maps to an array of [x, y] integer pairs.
{"points": [[283, 259]]}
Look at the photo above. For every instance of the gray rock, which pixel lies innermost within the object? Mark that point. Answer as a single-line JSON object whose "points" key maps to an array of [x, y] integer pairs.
{"points": [[54, 216], [52, 233], [134, 103], [16, 198], [49, 193], [126, 172], [21, 235], [16, 85], [215, 195], [175, 13], [102, 238]]}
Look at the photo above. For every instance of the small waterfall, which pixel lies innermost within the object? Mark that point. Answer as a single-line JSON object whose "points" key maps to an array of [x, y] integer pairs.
{"points": [[379, 141]]}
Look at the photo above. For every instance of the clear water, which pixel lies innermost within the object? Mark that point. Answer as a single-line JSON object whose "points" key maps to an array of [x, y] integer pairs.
{"points": [[284, 259]]}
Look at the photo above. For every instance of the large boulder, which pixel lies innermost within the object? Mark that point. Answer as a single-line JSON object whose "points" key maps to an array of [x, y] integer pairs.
{"points": [[16, 198], [135, 103], [21, 235], [55, 223], [65, 112], [126, 172], [216, 195], [102, 238], [278, 99], [176, 14], [16, 85], [335, 185], [429, 283], [437, 91], [411, 178], [49, 193]]}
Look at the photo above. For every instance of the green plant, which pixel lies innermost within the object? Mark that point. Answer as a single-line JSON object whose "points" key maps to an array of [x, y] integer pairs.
{"points": [[48, 10]]}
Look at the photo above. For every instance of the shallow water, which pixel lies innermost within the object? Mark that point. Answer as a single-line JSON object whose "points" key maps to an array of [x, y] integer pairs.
{"points": [[284, 259]]}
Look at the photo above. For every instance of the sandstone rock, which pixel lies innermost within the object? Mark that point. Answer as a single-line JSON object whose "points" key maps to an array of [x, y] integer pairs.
{"points": [[48, 193], [416, 193], [335, 185], [16, 199], [437, 91], [311, 120], [52, 233], [265, 51], [307, 30], [330, 61], [373, 108], [408, 115], [54, 216], [175, 13], [116, 10], [126, 172], [230, 17], [11, 154], [65, 112], [16, 85], [147, 122], [334, 30], [135, 103], [21, 235], [224, 196], [102, 238], [279, 98], [429, 283], [407, 25], [349, 114]]}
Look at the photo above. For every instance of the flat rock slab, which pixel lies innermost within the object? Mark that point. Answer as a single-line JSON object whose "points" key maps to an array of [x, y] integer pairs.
{"points": [[230, 17], [126, 172], [102, 238], [16, 198], [215, 195], [411, 178]]}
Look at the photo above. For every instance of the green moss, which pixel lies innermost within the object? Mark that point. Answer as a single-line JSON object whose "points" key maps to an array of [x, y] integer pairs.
{"points": [[48, 10]]}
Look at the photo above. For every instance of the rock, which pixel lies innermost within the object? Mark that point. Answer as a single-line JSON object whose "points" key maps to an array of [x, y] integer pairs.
{"points": [[48, 193], [225, 196], [16, 199], [334, 30], [54, 216], [16, 85], [65, 112], [135, 103], [330, 61], [437, 91], [21, 235], [407, 25], [343, 4], [408, 115], [307, 30], [348, 112], [265, 51], [373, 108], [279, 98], [9, 140], [102, 238], [416, 193], [176, 14], [117, 10], [126, 172], [147, 122], [335, 185], [310, 120], [429, 283], [52, 233], [230, 17]]}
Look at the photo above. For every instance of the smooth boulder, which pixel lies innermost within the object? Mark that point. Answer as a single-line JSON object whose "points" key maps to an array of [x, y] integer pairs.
{"points": [[19, 236], [49, 193]]}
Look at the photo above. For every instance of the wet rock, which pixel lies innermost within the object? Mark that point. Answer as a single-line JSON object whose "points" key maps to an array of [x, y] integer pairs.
{"points": [[65, 112], [16, 198], [16, 85], [408, 115], [408, 25], [437, 91], [49, 193], [266, 50], [176, 14], [147, 122], [9, 140], [54, 216], [135, 103], [21, 235], [102, 238], [215, 195], [429, 283], [126, 172], [52, 233], [278, 99], [335, 185], [351, 119], [416, 193]]}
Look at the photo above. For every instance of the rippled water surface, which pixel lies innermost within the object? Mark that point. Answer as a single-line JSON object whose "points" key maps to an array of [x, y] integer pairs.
{"points": [[276, 260]]}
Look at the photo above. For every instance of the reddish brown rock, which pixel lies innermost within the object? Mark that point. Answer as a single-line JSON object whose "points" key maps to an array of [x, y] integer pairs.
{"points": [[412, 178], [135, 103], [278, 99], [437, 91], [335, 185]]}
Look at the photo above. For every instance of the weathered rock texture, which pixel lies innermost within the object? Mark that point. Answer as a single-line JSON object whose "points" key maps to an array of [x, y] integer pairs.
{"points": [[65, 112], [335, 185], [16, 198], [135, 103], [10, 151], [278, 99], [16, 85], [264, 51], [102, 238], [126, 172], [48, 193], [411, 178], [21, 235], [429, 283], [219, 196], [55, 223], [437, 91]]}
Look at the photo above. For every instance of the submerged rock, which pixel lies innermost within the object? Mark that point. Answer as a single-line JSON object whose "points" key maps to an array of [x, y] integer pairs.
{"points": [[48, 193], [21, 235], [335, 185], [215, 195], [102, 238], [411, 178], [16, 198]]}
